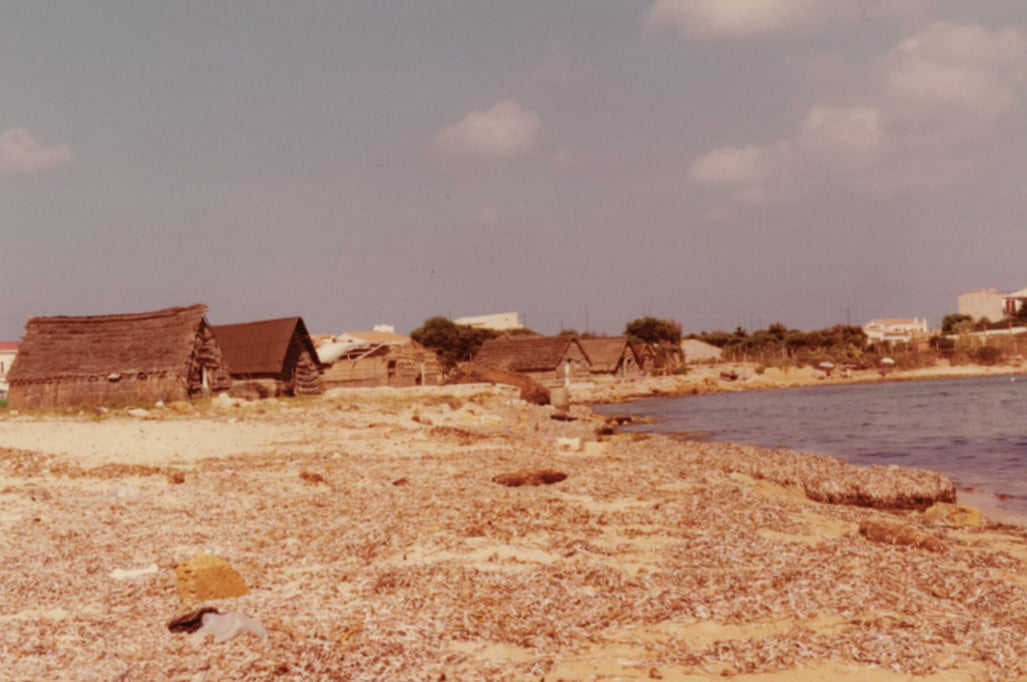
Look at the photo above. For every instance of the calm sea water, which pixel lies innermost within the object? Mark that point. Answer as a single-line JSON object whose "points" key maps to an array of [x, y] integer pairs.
{"points": [[972, 430]]}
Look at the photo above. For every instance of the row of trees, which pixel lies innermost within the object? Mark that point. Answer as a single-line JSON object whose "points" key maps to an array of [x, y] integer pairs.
{"points": [[775, 345], [458, 343]]}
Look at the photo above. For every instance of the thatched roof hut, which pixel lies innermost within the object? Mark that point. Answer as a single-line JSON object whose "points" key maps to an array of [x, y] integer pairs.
{"points": [[168, 354], [276, 351], [550, 360], [612, 355]]}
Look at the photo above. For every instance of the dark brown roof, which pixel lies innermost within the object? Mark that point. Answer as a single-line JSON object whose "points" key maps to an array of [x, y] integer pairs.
{"points": [[606, 353], [65, 346], [527, 353], [261, 347]]}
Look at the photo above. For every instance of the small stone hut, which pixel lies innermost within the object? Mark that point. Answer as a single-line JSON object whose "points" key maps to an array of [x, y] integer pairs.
{"points": [[135, 358], [613, 356], [368, 359], [277, 354], [549, 360]]}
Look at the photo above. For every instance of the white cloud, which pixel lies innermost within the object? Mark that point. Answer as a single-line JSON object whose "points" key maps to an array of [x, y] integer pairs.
{"points": [[729, 166], [21, 154], [744, 18], [922, 124], [504, 130]]}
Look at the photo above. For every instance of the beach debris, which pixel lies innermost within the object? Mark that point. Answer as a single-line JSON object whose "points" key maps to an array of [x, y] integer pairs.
{"points": [[400, 481], [312, 477], [227, 625], [943, 513], [124, 492], [530, 477], [176, 477], [569, 444], [598, 448], [138, 412], [562, 417], [190, 622], [208, 576], [126, 573], [898, 533]]}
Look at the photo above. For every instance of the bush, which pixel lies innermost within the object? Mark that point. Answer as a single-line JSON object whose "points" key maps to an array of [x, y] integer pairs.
{"points": [[988, 355]]}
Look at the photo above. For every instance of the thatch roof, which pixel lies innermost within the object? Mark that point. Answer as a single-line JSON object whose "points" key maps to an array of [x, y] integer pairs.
{"points": [[86, 346], [261, 347], [527, 353], [606, 353]]}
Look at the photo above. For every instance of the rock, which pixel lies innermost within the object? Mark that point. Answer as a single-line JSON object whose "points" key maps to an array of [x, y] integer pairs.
{"points": [[176, 477], [571, 444], [138, 412], [945, 514], [208, 576], [530, 477], [190, 622], [126, 573], [897, 533]]}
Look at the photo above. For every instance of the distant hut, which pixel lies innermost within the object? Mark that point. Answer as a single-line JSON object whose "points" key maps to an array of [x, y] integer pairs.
{"points": [[377, 358], [614, 356], [273, 357], [658, 359], [168, 354], [549, 360]]}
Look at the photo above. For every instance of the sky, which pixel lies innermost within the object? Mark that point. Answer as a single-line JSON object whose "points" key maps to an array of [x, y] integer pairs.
{"points": [[721, 163]]}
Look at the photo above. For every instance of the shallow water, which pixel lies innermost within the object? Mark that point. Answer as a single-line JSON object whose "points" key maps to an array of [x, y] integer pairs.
{"points": [[973, 430]]}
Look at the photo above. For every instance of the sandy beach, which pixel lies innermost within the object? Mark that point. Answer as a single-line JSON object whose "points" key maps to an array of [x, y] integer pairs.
{"points": [[376, 545]]}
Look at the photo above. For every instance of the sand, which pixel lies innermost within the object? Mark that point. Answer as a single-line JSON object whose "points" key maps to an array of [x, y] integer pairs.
{"points": [[376, 545]]}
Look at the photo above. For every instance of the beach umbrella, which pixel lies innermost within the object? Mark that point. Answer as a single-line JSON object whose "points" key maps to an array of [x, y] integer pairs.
{"points": [[887, 361]]}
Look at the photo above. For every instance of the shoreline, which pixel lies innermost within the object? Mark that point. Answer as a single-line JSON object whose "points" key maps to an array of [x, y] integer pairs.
{"points": [[705, 378], [377, 544]]}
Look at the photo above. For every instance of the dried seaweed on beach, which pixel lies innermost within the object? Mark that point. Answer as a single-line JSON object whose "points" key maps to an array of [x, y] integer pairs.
{"points": [[663, 558]]}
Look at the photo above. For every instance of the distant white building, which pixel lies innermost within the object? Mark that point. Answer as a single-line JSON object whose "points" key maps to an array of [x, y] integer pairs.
{"points": [[8, 351], [499, 322], [987, 303], [895, 329]]}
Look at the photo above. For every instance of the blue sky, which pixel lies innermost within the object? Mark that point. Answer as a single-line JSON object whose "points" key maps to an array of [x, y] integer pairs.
{"points": [[719, 162]]}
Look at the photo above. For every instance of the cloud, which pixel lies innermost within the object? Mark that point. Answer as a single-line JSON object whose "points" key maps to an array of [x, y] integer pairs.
{"points": [[505, 130], [921, 124], [21, 154], [713, 19]]}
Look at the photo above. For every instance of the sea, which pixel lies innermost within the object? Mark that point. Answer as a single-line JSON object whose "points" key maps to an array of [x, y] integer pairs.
{"points": [[973, 430]]}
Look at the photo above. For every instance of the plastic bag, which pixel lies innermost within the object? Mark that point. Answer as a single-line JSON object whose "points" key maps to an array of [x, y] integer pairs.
{"points": [[229, 624]]}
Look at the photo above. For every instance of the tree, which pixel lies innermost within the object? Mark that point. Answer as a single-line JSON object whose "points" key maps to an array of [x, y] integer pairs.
{"points": [[654, 330], [951, 323], [452, 342]]}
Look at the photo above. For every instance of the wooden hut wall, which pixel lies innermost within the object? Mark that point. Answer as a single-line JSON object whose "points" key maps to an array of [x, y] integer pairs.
{"points": [[306, 379], [111, 389], [207, 357], [396, 366]]}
